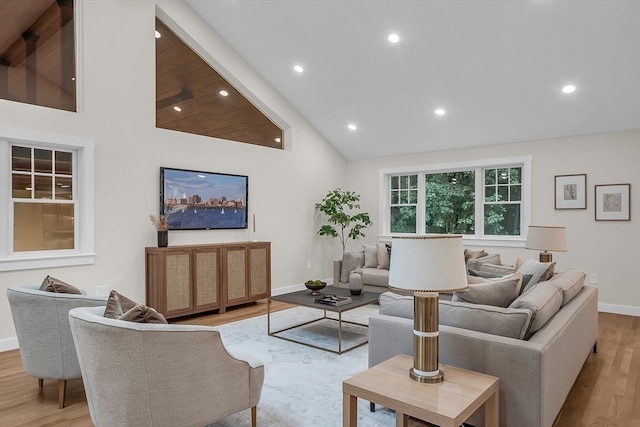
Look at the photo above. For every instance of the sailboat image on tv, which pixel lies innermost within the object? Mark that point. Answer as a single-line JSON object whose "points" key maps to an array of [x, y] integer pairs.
{"points": [[197, 200]]}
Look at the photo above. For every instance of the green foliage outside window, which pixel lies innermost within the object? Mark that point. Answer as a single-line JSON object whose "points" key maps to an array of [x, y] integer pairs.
{"points": [[450, 202]]}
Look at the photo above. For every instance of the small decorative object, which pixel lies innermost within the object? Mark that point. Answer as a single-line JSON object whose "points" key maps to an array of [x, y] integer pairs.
{"points": [[355, 283], [571, 191], [613, 202], [314, 286], [162, 226]]}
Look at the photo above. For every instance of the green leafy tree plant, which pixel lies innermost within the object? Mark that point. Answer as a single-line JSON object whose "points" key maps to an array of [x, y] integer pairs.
{"points": [[339, 205]]}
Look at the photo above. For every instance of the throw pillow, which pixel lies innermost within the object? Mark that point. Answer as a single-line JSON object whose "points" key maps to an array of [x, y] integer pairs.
{"points": [[570, 282], [117, 305], [473, 254], [537, 270], [140, 313], [383, 256], [350, 260], [544, 301], [51, 284], [484, 274], [546, 276], [496, 293], [370, 256]]}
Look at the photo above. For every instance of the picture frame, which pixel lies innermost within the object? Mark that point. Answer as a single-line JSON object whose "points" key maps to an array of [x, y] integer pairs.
{"points": [[613, 202], [570, 191]]}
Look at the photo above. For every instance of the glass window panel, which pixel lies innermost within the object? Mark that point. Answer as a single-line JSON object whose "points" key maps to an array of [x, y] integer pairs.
{"points": [[395, 198], [489, 176], [490, 194], [515, 175], [43, 226], [43, 187], [20, 186], [64, 163], [516, 193], [404, 197], [413, 197], [503, 176], [42, 161], [503, 193], [395, 182], [20, 159], [414, 181], [502, 219], [403, 219], [64, 189], [450, 202]]}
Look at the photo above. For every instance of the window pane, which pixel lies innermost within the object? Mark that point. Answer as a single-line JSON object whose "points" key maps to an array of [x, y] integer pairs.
{"points": [[490, 194], [20, 186], [503, 176], [502, 219], [403, 219], [450, 202], [490, 176], [43, 187], [21, 159], [516, 193], [503, 193], [43, 226], [42, 161], [63, 163], [64, 189], [395, 182], [395, 198], [514, 175]]}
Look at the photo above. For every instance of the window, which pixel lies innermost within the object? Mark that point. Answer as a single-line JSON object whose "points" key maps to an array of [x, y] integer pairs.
{"points": [[46, 200], [487, 200]]}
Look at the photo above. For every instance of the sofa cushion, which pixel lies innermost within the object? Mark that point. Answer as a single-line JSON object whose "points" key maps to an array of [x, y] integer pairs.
{"points": [[570, 282], [141, 313], [350, 260], [370, 256], [51, 284], [543, 300], [507, 322], [537, 270], [499, 293], [383, 256], [375, 276]]}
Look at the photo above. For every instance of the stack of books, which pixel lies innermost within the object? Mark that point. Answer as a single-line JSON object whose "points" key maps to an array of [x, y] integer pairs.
{"points": [[334, 300]]}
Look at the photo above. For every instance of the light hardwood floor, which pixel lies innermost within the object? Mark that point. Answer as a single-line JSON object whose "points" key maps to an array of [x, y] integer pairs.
{"points": [[607, 392]]}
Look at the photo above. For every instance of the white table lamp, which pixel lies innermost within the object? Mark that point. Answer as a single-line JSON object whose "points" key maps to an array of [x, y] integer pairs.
{"points": [[426, 265], [546, 238]]}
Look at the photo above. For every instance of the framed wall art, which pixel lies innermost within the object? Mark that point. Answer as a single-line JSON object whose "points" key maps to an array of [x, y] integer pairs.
{"points": [[571, 191], [613, 202]]}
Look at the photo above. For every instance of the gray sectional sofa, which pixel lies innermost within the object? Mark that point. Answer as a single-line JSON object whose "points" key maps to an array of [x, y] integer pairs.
{"points": [[536, 346]]}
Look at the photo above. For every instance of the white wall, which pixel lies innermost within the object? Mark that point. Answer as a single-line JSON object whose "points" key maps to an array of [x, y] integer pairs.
{"points": [[117, 87], [611, 249]]}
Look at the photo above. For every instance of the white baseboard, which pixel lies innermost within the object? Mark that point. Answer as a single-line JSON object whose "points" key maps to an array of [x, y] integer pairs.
{"points": [[8, 344], [619, 309]]}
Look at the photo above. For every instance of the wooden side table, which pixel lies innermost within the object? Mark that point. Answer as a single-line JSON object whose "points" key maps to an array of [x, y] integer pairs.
{"points": [[446, 404]]}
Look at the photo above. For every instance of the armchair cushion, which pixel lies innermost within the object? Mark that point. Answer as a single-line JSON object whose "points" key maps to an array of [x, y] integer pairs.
{"points": [[117, 305]]}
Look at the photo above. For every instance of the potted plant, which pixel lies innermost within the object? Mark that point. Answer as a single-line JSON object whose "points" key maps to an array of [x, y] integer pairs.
{"points": [[339, 205], [162, 226]]}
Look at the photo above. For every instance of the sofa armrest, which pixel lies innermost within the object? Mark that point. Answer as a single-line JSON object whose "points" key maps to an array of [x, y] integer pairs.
{"points": [[337, 268]]}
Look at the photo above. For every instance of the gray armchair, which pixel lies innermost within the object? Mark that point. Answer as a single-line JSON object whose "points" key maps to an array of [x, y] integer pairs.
{"points": [[143, 374], [41, 321]]}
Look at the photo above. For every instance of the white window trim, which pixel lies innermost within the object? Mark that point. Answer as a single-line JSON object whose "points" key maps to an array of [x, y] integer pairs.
{"points": [[507, 241], [84, 252]]}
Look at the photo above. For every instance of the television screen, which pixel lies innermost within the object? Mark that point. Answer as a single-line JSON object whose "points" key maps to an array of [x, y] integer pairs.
{"points": [[196, 200]]}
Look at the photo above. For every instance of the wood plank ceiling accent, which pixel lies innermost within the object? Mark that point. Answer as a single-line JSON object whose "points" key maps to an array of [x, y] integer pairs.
{"points": [[37, 53], [185, 80]]}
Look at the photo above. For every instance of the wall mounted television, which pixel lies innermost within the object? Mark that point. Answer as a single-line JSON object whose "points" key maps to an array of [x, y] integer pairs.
{"points": [[198, 200]]}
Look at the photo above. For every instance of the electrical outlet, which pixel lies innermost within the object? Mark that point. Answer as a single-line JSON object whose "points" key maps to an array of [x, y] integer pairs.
{"points": [[593, 278], [308, 263], [103, 291]]}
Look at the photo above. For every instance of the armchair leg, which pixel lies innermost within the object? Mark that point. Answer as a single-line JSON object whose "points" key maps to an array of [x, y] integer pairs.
{"points": [[254, 416], [40, 382], [62, 390]]}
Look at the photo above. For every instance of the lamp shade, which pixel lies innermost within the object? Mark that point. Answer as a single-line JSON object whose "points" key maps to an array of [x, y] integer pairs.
{"points": [[546, 238], [429, 263]]}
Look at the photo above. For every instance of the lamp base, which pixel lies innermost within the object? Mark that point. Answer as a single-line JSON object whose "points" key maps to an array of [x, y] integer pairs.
{"points": [[545, 256], [429, 379]]}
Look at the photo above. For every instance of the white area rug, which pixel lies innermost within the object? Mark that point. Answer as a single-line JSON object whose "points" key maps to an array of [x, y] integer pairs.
{"points": [[303, 385]]}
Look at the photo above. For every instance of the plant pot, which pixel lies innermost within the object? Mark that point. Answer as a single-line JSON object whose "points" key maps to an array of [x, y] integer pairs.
{"points": [[163, 239]]}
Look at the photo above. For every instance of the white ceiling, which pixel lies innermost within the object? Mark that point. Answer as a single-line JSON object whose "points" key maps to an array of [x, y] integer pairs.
{"points": [[496, 66]]}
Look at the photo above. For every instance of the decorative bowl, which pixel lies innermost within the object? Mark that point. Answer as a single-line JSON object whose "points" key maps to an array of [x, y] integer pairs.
{"points": [[315, 287]]}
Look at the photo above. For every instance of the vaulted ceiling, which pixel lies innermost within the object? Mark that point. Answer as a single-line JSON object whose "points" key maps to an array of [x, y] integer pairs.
{"points": [[496, 67]]}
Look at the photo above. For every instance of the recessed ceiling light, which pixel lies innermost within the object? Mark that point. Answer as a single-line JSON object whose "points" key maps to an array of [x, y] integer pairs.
{"points": [[352, 126], [178, 109], [201, 176], [394, 38], [569, 89], [224, 93], [158, 35], [298, 68], [440, 112]]}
